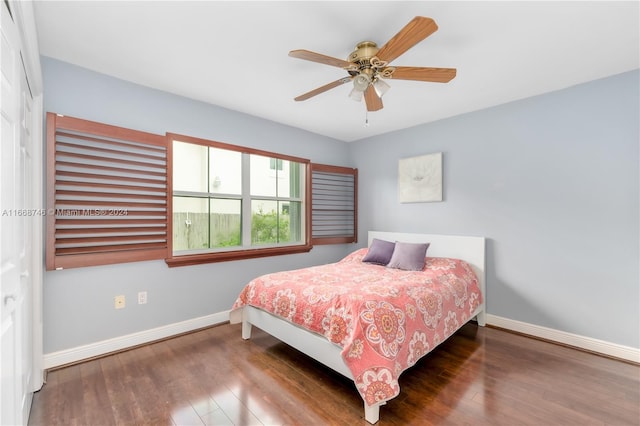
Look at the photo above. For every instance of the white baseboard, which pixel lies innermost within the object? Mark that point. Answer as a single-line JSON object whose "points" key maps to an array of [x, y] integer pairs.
{"points": [[582, 342], [79, 353]]}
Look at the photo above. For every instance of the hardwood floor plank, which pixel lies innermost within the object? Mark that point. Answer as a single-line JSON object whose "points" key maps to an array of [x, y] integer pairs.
{"points": [[95, 397], [186, 416], [480, 376], [216, 418], [235, 409], [205, 406], [70, 398]]}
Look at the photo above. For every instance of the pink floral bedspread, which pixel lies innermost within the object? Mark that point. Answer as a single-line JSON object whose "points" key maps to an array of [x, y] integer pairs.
{"points": [[384, 319]]}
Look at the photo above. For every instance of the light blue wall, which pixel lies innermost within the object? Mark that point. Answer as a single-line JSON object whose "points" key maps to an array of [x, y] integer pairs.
{"points": [[552, 182], [78, 303]]}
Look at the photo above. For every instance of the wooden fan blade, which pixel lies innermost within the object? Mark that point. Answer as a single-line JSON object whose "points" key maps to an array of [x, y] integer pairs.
{"points": [[322, 89], [415, 31], [374, 103], [317, 57], [437, 75]]}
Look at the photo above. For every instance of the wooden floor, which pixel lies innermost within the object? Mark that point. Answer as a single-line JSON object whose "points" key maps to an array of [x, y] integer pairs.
{"points": [[479, 376]]}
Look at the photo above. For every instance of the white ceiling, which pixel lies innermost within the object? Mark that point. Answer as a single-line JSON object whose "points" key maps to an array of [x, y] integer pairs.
{"points": [[234, 54]]}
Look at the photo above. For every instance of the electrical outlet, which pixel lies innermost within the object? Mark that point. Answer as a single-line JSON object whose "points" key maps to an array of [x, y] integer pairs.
{"points": [[119, 302], [142, 298]]}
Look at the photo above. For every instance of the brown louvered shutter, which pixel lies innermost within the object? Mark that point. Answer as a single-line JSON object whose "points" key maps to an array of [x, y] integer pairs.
{"points": [[334, 204], [106, 194]]}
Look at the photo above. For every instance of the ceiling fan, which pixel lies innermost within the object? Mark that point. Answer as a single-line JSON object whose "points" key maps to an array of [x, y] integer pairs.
{"points": [[368, 65]]}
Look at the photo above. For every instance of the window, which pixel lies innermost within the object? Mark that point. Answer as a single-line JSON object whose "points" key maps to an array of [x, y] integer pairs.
{"points": [[334, 206], [118, 195], [106, 194], [229, 202]]}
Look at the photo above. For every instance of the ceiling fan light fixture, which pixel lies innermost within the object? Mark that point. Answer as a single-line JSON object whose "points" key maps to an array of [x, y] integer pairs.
{"points": [[361, 82], [356, 95], [381, 86]]}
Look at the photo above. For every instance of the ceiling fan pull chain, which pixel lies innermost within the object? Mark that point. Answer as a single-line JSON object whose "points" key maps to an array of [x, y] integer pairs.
{"points": [[366, 118]]}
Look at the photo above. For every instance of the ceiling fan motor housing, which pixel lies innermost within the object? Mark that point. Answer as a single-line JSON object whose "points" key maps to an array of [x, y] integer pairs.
{"points": [[364, 51]]}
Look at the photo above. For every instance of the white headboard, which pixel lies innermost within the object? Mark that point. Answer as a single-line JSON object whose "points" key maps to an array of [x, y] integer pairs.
{"points": [[469, 249]]}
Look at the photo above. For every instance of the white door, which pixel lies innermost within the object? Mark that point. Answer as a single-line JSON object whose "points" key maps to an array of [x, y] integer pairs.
{"points": [[24, 184], [16, 214]]}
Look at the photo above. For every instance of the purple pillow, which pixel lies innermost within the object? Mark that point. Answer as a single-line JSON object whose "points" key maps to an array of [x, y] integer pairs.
{"points": [[408, 256], [379, 252]]}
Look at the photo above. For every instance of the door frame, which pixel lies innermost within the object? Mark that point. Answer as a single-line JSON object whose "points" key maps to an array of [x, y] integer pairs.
{"points": [[24, 16]]}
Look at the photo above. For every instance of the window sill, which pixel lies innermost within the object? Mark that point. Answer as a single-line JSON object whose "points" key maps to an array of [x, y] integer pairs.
{"points": [[334, 240], [198, 259]]}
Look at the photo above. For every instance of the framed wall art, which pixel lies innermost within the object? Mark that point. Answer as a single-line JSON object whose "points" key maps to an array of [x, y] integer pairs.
{"points": [[420, 179]]}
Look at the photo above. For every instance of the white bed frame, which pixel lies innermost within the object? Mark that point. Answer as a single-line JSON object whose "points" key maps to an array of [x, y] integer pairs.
{"points": [[470, 249]]}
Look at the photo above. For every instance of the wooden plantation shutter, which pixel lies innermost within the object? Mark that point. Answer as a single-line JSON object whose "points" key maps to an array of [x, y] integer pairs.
{"points": [[334, 204], [106, 194]]}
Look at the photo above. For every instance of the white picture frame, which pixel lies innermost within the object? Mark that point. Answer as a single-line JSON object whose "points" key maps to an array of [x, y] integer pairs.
{"points": [[420, 179]]}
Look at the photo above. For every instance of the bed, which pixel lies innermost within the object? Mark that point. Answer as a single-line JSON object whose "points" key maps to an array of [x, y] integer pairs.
{"points": [[390, 331]]}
